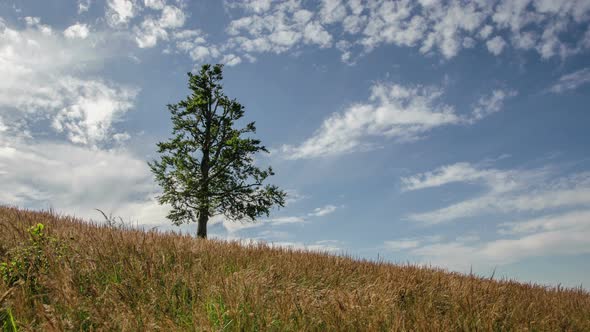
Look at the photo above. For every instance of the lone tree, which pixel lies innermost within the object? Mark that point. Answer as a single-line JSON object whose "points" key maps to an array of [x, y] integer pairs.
{"points": [[207, 167]]}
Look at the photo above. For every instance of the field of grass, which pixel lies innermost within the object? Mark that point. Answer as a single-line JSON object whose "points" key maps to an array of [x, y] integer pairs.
{"points": [[72, 275]]}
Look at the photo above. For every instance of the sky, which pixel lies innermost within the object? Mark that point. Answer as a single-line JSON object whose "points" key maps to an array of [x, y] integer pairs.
{"points": [[451, 134]]}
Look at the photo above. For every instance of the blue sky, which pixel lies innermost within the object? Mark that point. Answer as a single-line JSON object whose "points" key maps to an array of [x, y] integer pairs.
{"points": [[449, 133]]}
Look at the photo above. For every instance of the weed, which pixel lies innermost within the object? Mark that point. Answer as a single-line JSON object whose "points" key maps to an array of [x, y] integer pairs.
{"points": [[218, 314], [7, 321]]}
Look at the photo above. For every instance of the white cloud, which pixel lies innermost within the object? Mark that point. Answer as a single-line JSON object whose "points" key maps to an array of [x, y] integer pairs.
{"points": [[323, 211], [172, 17], [90, 108], [76, 180], [560, 234], [493, 103], [278, 30], [155, 4], [496, 45], [404, 244], [121, 137], [41, 81], [83, 6], [286, 220], [332, 11], [331, 246], [445, 27], [35, 23], [3, 126], [314, 33], [32, 21], [393, 111], [573, 219], [200, 53], [236, 226], [231, 60], [485, 31], [448, 24], [149, 32], [256, 6], [194, 43], [120, 12], [571, 81], [77, 30], [525, 40], [496, 180], [507, 191]]}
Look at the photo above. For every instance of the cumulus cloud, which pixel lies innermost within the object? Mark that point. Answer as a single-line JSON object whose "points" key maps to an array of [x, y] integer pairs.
{"points": [[172, 17], [48, 87], [151, 30], [120, 12], [155, 4], [50, 83], [571, 81], [35, 23], [158, 22], [496, 45], [231, 60], [506, 191], [444, 27], [77, 179], [77, 30], [88, 109], [277, 30]]}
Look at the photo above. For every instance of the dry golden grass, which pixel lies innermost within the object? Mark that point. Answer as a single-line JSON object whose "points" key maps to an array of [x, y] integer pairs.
{"points": [[81, 276]]}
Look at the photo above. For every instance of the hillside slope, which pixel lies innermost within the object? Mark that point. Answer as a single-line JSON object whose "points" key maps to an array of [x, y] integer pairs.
{"points": [[71, 275]]}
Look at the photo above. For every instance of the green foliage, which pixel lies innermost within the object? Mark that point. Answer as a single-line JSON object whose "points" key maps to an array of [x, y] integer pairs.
{"points": [[207, 167], [7, 321], [28, 262], [218, 314]]}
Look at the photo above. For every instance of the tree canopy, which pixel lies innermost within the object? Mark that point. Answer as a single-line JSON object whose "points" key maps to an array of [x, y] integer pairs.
{"points": [[207, 167]]}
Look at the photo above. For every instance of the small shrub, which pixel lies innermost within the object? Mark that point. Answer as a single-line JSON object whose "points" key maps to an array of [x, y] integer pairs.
{"points": [[28, 262]]}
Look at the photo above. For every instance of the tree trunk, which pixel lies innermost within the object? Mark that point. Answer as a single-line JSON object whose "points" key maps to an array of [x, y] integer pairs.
{"points": [[202, 226]]}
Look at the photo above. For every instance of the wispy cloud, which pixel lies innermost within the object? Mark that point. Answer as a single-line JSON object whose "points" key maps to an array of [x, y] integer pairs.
{"points": [[487, 105], [507, 191], [559, 234], [395, 112], [403, 244], [323, 211], [236, 226], [571, 81]]}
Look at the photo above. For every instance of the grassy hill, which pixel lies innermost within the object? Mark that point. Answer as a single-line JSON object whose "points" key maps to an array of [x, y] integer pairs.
{"points": [[71, 275]]}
